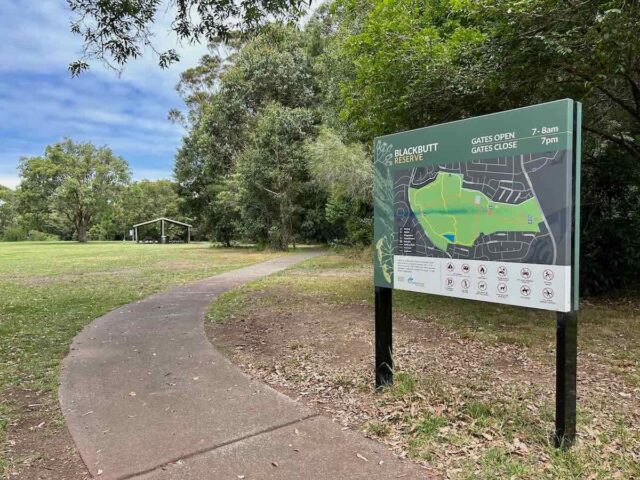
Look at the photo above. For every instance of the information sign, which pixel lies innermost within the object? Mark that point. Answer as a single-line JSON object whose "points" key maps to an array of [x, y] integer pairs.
{"points": [[486, 208], [482, 208]]}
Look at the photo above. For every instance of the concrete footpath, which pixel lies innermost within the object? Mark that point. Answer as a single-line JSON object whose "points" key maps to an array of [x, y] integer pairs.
{"points": [[146, 396]]}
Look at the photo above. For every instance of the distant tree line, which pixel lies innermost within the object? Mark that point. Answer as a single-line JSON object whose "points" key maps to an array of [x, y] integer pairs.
{"points": [[80, 192], [278, 147]]}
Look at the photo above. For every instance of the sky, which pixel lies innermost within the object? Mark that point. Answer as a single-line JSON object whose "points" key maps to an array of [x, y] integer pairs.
{"points": [[41, 104]]}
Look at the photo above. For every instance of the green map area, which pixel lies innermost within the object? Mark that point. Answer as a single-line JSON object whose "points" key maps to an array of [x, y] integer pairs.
{"points": [[451, 214]]}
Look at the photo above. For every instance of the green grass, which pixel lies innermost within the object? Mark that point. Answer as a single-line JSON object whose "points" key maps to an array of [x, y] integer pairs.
{"points": [[378, 429], [49, 291], [404, 384], [496, 462]]}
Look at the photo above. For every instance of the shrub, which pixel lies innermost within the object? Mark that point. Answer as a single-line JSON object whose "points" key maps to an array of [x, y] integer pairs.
{"points": [[14, 234], [37, 236]]}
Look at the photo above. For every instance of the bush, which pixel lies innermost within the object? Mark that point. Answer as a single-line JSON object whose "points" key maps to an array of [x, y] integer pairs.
{"points": [[15, 234], [610, 244], [97, 232], [36, 236]]}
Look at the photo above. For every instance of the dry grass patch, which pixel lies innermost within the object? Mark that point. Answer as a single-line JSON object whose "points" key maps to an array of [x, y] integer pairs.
{"points": [[474, 384]]}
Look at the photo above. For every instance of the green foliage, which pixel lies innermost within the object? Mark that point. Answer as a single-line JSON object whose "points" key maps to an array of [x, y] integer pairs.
{"points": [[115, 31], [272, 67], [225, 212], [610, 216], [77, 190], [7, 208], [403, 65], [217, 133], [345, 172], [238, 174], [274, 175], [36, 236], [367, 68], [75, 181], [138, 202], [15, 234], [406, 56]]}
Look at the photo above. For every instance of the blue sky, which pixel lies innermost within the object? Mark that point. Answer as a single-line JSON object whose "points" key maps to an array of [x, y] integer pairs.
{"points": [[40, 103]]}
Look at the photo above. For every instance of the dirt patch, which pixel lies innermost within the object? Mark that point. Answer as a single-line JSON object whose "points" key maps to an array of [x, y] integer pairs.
{"points": [[459, 403], [39, 446]]}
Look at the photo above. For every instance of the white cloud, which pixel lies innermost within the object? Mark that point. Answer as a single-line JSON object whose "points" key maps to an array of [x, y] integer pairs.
{"points": [[40, 104], [11, 181]]}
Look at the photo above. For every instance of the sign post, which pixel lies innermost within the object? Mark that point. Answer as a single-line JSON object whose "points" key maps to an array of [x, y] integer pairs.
{"points": [[566, 367], [384, 338], [486, 208]]}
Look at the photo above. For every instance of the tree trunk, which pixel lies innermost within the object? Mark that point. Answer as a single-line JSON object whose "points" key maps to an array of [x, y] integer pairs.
{"points": [[82, 232]]}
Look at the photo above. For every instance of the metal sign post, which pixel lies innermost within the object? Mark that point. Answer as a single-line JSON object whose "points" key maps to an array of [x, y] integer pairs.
{"points": [[567, 322], [485, 208], [384, 337], [566, 369]]}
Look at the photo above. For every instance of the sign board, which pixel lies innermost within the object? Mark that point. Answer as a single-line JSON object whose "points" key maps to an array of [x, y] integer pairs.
{"points": [[483, 208]]}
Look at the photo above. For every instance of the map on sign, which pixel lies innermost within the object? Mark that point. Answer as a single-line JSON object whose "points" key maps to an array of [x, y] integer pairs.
{"points": [[488, 218], [486, 209]]}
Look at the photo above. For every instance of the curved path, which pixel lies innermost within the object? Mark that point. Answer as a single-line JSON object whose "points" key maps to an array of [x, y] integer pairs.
{"points": [[146, 396]]}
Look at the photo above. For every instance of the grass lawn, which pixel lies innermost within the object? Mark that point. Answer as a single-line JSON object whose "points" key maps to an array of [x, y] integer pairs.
{"points": [[49, 291], [474, 390]]}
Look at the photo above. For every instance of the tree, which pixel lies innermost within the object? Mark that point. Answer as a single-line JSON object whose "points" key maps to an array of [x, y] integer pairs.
{"points": [[114, 31], [224, 102], [148, 199], [75, 180], [274, 175], [138, 202], [345, 171], [224, 219], [412, 64], [462, 58], [7, 212], [207, 154]]}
